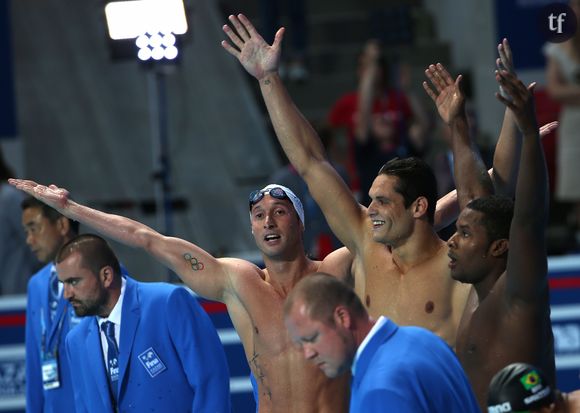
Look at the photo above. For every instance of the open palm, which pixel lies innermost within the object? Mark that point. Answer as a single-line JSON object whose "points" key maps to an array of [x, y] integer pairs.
{"points": [[450, 102], [255, 55], [448, 96]]}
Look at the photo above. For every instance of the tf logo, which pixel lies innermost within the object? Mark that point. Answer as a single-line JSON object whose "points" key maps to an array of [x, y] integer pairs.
{"points": [[557, 22], [152, 363]]}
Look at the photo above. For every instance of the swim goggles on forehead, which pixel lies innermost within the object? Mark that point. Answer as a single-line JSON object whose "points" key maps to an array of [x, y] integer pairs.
{"points": [[275, 192]]}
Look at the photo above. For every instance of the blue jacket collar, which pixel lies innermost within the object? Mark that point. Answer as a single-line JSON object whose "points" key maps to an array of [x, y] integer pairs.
{"points": [[381, 336]]}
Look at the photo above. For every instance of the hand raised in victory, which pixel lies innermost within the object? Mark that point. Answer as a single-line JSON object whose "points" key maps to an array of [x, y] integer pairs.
{"points": [[520, 100], [255, 55], [448, 95]]}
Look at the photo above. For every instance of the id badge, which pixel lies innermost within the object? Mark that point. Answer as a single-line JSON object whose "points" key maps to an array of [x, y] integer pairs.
{"points": [[50, 379]]}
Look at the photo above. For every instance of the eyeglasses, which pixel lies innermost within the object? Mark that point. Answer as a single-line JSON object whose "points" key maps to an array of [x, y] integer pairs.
{"points": [[275, 192]]}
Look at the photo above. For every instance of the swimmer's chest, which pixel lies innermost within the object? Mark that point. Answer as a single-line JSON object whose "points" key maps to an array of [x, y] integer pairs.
{"points": [[266, 322], [480, 335], [492, 333], [420, 296]]}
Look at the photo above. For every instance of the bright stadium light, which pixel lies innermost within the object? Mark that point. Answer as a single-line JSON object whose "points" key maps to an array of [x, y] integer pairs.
{"points": [[152, 26], [156, 46], [168, 40], [144, 54], [130, 19], [171, 52]]}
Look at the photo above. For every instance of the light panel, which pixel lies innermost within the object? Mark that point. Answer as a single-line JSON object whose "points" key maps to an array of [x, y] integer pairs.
{"points": [[130, 19]]}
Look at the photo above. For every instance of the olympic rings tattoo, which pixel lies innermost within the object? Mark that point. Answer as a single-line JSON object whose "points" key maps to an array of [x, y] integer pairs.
{"points": [[196, 265]]}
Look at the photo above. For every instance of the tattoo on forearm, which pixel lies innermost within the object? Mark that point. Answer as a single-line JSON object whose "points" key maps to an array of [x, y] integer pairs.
{"points": [[196, 265], [267, 82]]}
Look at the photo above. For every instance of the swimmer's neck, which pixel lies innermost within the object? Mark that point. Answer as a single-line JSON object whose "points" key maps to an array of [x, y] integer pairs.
{"points": [[283, 274]]}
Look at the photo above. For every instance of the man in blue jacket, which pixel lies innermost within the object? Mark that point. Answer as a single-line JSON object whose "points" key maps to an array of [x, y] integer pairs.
{"points": [[49, 317], [141, 346], [399, 369]]}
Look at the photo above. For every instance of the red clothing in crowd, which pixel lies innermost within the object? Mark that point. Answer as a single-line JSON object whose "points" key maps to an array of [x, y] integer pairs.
{"points": [[394, 105]]}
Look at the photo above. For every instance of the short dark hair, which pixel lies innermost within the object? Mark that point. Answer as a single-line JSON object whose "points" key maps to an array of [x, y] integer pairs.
{"points": [[415, 179], [94, 250], [497, 212], [322, 293], [50, 213]]}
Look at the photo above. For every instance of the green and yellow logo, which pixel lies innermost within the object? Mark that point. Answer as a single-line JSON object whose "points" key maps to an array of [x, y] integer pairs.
{"points": [[530, 380]]}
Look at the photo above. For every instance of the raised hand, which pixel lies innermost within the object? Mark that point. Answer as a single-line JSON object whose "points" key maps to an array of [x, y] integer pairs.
{"points": [[448, 96], [520, 100], [52, 195], [504, 62], [252, 51]]}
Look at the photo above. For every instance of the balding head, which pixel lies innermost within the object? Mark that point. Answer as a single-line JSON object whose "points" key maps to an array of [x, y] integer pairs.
{"points": [[327, 321]]}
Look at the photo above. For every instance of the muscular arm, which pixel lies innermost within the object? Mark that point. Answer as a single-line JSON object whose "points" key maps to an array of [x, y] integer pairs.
{"points": [[527, 263], [506, 157], [447, 206], [447, 210], [471, 177], [203, 273], [304, 149], [297, 137], [339, 264]]}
